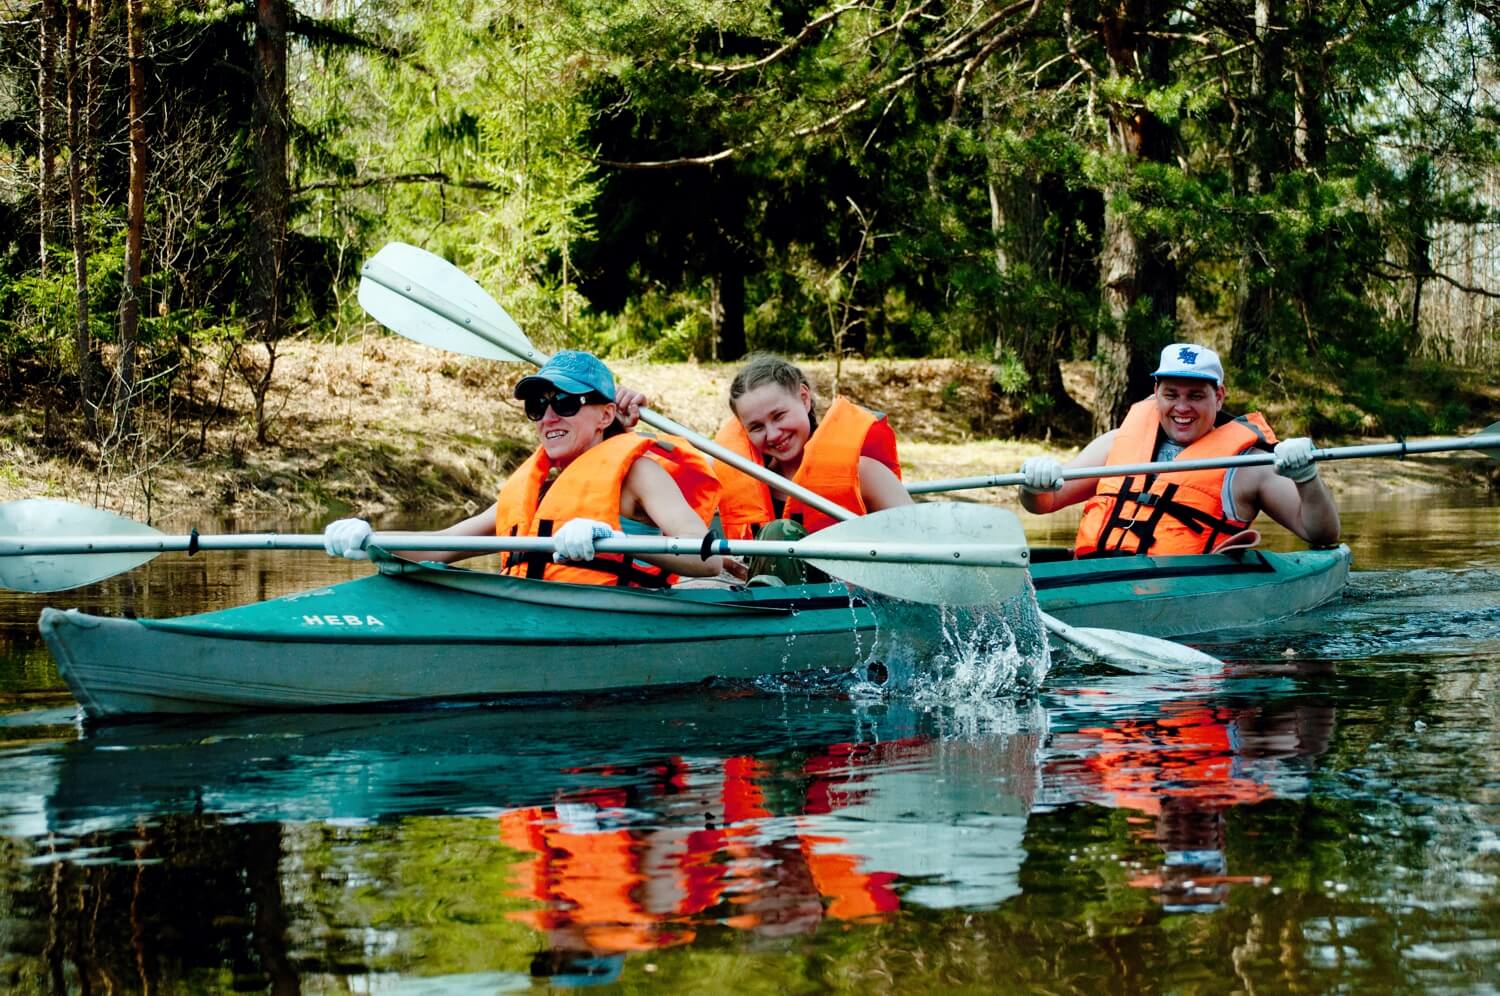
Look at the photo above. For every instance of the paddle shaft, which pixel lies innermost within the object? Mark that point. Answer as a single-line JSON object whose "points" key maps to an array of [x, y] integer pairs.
{"points": [[1484, 441], [972, 554], [524, 350]]}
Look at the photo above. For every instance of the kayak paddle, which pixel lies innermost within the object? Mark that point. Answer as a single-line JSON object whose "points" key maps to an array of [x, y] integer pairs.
{"points": [[1487, 442], [51, 545], [426, 298]]}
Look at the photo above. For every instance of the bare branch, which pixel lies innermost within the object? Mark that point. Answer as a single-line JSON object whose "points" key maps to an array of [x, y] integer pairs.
{"points": [[953, 51], [1393, 270], [1466, 288], [1078, 57], [727, 153], [989, 48], [1216, 56], [811, 28], [394, 178]]}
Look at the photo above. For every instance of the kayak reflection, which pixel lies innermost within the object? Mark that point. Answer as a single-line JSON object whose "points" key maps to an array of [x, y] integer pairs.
{"points": [[630, 825], [562, 842], [1183, 770]]}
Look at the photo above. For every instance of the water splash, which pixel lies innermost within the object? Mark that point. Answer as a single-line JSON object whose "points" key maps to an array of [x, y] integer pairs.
{"points": [[972, 654]]}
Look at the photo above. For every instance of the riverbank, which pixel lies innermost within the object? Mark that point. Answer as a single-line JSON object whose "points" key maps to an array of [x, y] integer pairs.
{"points": [[383, 427]]}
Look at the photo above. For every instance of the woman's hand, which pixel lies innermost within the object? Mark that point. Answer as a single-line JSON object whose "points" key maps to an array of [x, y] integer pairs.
{"points": [[628, 405], [347, 538], [575, 539]]}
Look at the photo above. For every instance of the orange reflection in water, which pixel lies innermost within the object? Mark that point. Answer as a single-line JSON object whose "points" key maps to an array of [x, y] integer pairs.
{"points": [[608, 887], [1184, 769]]}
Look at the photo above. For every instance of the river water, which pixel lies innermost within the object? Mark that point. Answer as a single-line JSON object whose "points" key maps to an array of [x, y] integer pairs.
{"points": [[1324, 816]]}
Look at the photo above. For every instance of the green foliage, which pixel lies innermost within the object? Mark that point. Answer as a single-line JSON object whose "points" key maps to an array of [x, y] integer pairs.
{"points": [[661, 326], [827, 177], [1010, 373]]}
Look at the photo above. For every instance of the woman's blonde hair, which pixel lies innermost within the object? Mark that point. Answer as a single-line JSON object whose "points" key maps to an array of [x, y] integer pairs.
{"points": [[763, 368]]}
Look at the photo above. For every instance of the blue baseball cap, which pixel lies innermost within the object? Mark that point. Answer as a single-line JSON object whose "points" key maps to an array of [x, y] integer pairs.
{"points": [[1190, 361], [573, 371]]}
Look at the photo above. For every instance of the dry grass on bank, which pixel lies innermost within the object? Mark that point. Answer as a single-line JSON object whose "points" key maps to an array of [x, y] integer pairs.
{"points": [[381, 425]]}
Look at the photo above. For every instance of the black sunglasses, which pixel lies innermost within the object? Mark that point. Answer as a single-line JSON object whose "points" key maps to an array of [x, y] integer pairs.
{"points": [[566, 405]]}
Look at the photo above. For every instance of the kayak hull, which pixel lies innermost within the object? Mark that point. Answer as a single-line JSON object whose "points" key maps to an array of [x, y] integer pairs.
{"points": [[431, 633], [447, 634], [1190, 596]]}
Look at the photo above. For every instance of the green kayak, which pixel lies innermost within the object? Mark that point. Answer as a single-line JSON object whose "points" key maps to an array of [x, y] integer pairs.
{"points": [[433, 633]]}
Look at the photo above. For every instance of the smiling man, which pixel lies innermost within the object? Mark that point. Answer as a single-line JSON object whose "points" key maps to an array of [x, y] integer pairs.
{"points": [[1196, 511]]}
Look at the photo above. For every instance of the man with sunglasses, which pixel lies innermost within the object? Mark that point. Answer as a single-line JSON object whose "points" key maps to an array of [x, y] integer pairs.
{"points": [[589, 478]]}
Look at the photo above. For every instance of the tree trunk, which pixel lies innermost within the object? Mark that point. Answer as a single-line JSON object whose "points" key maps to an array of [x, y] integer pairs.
{"points": [[726, 200], [46, 92], [1018, 212], [1138, 280], [1421, 184], [78, 210], [1119, 267], [731, 331], [135, 212], [1310, 132], [1256, 292], [272, 192], [1310, 145], [715, 316], [91, 100]]}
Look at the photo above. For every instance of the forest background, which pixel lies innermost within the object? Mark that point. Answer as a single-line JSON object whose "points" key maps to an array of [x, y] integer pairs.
{"points": [[1026, 189]]}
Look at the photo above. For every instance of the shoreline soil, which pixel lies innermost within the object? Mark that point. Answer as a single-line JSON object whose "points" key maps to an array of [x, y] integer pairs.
{"points": [[383, 427]]}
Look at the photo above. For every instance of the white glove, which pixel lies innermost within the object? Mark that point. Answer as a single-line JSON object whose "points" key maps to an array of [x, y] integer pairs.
{"points": [[1042, 474], [1294, 459], [575, 540], [347, 538]]}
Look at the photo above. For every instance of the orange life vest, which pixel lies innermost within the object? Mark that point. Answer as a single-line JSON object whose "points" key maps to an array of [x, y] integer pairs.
{"points": [[1165, 515], [1190, 753], [588, 882], [830, 467], [589, 488], [616, 888]]}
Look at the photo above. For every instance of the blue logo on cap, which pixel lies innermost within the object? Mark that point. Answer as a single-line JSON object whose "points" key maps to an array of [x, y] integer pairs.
{"points": [[1188, 356]]}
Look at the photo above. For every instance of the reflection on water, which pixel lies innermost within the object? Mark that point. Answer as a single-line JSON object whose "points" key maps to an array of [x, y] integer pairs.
{"points": [[1185, 769], [1322, 816]]}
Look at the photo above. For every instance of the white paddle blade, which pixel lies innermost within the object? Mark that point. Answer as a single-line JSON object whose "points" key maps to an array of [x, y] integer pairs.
{"points": [[46, 518], [937, 523], [427, 299], [1132, 652]]}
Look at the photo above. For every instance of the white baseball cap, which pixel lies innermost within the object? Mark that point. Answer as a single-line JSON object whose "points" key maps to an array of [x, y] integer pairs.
{"points": [[1186, 359]]}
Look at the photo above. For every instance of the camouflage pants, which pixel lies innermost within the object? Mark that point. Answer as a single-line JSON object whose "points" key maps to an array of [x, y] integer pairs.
{"points": [[787, 569]]}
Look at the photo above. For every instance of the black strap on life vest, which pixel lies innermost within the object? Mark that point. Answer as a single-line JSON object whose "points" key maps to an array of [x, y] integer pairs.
{"points": [[625, 571], [536, 561], [1195, 520], [629, 572]]}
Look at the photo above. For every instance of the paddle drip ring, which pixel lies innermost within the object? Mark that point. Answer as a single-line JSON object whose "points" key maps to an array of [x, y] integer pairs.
{"points": [[192, 541]]}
